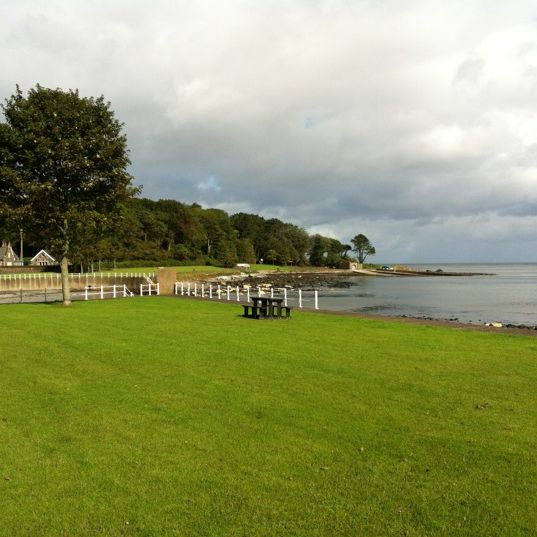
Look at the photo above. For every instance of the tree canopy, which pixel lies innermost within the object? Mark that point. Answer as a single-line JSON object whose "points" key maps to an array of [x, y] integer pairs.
{"points": [[63, 169], [64, 179], [362, 247]]}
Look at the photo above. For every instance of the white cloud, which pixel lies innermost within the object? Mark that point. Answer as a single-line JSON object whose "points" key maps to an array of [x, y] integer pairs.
{"points": [[414, 121]]}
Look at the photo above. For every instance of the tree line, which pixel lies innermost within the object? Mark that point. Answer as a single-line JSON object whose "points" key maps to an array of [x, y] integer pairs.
{"points": [[171, 232], [64, 182]]}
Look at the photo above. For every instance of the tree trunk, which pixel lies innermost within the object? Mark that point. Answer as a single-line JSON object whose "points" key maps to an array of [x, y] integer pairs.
{"points": [[66, 291]]}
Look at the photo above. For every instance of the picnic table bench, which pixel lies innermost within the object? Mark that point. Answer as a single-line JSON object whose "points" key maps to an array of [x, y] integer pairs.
{"points": [[266, 308]]}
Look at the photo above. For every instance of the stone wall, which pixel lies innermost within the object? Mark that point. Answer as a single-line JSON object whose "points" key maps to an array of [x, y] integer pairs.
{"points": [[166, 278], [23, 270]]}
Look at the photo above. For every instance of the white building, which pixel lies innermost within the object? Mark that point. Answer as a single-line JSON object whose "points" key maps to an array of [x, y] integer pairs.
{"points": [[8, 257], [43, 259]]}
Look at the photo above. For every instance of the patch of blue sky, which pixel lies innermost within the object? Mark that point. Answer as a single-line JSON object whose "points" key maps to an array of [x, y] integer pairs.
{"points": [[211, 184]]}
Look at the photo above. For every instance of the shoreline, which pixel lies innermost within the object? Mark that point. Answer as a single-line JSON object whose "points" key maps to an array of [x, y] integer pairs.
{"points": [[524, 330], [309, 280], [326, 278], [528, 331]]}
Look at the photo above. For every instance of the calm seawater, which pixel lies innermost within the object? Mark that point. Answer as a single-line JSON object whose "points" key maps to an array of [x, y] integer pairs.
{"points": [[509, 296]]}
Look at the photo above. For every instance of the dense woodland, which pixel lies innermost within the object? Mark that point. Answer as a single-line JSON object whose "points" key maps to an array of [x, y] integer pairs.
{"points": [[64, 182], [171, 232]]}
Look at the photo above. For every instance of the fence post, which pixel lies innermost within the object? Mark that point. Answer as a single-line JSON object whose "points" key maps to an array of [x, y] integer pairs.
{"points": [[285, 296], [195, 288], [238, 294], [141, 289], [114, 291], [210, 290], [300, 298], [228, 288], [124, 290], [85, 293], [158, 289], [45, 295], [248, 294], [272, 292], [102, 292], [182, 288], [258, 291], [316, 299], [21, 295], [202, 290], [149, 288], [188, 289], [219, 292]]}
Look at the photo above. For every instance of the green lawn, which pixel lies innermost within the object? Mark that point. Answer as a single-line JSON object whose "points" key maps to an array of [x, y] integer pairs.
{"points": [[161, 416], [196, 270]]}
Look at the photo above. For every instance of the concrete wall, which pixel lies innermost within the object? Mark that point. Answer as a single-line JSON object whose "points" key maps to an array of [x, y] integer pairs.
{"points": [[25, 269], [27, 282], [166, 278]]}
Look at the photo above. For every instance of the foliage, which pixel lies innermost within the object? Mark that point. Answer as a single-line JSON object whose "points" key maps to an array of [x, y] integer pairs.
{"points": [[362, 247], [171, 417], [62, 178], [63, 170], [167, 231]]}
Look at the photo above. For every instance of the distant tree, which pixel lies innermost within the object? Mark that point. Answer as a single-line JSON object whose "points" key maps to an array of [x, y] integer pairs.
{"points": [[225, 253], [319, 251], [249, 226], [271, 256], [63, 168], [362, 247], [218, 227], [245, 251]]}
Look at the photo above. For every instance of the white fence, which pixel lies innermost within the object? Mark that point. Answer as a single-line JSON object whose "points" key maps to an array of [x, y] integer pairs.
{"points": [[102, 292], [55, 295], [42, 280], [296, 297], [149, 289]]}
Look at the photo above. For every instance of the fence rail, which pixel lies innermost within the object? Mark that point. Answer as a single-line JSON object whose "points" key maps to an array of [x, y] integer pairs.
{"points": [[149, 289], [75, 275], [54, 295], [31, 281], [296, 297], [113, 291]]}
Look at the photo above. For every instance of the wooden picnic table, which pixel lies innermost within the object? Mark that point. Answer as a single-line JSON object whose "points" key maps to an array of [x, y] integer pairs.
{"points": [[266, 308]]}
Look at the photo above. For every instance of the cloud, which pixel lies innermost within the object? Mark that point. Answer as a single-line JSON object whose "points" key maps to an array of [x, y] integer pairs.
{"points": [[210, 184], [413, 121]]}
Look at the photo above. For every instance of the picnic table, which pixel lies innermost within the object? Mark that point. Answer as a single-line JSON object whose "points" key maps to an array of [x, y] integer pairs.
{"points": [[266, 308]]}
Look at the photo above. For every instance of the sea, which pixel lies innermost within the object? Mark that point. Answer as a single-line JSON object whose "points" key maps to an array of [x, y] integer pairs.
{"points": [[506, 294]]}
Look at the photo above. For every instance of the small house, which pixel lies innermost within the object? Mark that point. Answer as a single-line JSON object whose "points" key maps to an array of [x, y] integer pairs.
{"points": [[352, 265], [8, 257], [42, 259]]}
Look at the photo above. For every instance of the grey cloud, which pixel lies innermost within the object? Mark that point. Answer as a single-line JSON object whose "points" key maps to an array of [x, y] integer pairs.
{"points": [[409, 121], [469, 72]]}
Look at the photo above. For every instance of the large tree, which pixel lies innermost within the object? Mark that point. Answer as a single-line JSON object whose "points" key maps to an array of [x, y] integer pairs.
{"points": [[63, 169], [362, 247]]}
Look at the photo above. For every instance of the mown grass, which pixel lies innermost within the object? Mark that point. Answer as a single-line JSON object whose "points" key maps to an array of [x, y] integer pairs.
{"points": [[203, 270], [162, 416]]}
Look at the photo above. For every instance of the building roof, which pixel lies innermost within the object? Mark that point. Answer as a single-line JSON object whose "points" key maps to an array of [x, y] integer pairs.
{"points": [[7, 252], [43, 253]]}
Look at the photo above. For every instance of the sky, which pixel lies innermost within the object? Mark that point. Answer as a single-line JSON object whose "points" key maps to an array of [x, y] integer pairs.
{"points": [[413, 122]]}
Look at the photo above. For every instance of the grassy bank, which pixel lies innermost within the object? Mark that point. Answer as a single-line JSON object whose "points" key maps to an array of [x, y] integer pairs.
{"points": [[156, 417], [206, 270]]}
